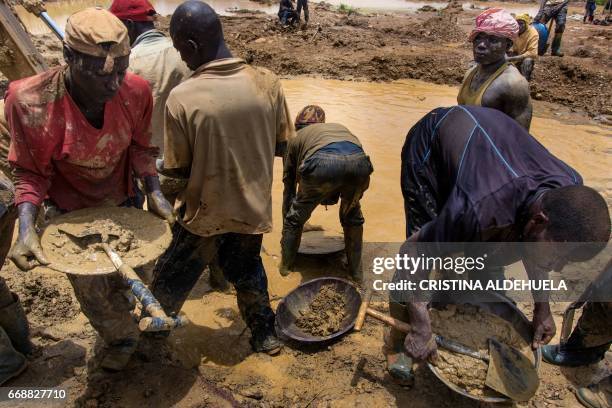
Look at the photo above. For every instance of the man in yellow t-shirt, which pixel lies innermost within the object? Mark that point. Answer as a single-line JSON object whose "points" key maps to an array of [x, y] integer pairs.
{"points": [[525, 47]]}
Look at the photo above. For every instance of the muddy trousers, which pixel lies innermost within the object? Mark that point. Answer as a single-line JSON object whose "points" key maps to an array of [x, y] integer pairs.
{"points": [[302, 4], [557, 12], [237, 255], [526, 68], [594, 328], [325, 178]]}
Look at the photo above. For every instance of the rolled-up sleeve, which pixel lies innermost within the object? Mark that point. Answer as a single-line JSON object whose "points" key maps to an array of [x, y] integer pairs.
{"points": [[142, 154], [30, 155]]}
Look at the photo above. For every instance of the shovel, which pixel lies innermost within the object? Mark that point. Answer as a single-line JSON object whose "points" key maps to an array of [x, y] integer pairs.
{"points": [[157, 319], [509, 372]]}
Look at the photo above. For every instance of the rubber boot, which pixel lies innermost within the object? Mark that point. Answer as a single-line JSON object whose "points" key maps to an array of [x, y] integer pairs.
{"points": [[118, 355], [12, 362], [399, 364], [353, 245], [597, 395], [14, 322], [555, 48], [264, 340], [290, 243], [574, 353]]}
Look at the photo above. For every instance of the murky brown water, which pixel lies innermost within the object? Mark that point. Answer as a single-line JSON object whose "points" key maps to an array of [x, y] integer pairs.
{"points": [[60, 10], [381, 114]]}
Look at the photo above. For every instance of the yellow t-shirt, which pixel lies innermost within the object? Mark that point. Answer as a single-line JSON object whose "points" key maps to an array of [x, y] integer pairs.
{"points": [[224, 123], [527, 43]]}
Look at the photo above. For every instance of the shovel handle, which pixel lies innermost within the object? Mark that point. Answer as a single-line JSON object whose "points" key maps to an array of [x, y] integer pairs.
{"points": [[441, 341], [158, 321]]}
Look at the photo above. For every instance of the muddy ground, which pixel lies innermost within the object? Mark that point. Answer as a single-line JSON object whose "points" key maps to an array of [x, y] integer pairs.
{"points": [[429, 45], [209, 363]]}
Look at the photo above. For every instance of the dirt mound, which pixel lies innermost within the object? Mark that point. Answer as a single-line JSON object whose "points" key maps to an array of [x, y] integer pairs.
{"points": [[325, 314], [472, 327], [46, 298], [573, 82]]}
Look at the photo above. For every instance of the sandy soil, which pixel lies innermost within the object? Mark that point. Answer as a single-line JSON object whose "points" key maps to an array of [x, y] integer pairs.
{"points": [[472, 328]]}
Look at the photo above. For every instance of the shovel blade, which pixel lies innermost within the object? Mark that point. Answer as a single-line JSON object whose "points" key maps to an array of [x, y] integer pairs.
{"points": [[77, 231], [511, 373]]}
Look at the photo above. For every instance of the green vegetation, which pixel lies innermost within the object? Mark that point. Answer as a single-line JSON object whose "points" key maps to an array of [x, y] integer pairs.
{"points": [[345, 8]]}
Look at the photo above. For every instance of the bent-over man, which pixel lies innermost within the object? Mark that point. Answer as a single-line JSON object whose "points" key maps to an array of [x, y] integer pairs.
{"points": [[324, 163]]}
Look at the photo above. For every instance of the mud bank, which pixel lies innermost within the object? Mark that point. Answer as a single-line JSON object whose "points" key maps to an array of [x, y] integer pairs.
{"points": [[430, 46]]}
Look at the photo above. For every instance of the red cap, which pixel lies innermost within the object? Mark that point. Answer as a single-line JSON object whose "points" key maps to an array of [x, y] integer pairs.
{"points": [[135, 10]]}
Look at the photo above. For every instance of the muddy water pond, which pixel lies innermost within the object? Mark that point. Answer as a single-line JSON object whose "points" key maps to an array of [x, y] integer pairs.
{"points": [[381, 114], [60, 10]]}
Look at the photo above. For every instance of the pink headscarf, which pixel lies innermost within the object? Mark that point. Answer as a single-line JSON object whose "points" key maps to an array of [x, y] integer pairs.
{"points": [[496, 21]]}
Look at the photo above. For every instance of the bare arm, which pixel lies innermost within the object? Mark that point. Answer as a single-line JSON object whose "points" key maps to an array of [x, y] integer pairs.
{"points": [[543, 322], [510, 94]]}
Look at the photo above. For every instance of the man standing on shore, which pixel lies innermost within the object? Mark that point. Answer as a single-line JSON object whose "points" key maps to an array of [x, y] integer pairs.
{"points": [[494, 82], [80, 133], [223, 127], [302, 4], [554, 10]]}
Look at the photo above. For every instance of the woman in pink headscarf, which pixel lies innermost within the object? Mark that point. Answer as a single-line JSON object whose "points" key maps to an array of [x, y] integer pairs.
{"points": [[494, 82]]}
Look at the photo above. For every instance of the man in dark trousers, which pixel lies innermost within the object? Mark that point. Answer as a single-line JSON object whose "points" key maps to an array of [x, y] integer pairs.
{"points": [[325, 162], [554, 10], [473, 174], [223, 127]]}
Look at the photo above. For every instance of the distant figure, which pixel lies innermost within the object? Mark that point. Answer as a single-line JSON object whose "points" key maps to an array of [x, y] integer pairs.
{"points": [[302, 4], [494, 82], [589, 11], [557, 10], [287, 14], [525, 47]]}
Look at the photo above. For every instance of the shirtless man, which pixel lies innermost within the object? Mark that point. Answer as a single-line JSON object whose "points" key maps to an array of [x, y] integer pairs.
{"points": [[494, 82]]}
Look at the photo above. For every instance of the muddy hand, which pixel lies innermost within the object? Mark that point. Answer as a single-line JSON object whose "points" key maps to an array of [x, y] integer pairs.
{"points": [[420, 344], [543, 325], [27, 246], [157, 203]]}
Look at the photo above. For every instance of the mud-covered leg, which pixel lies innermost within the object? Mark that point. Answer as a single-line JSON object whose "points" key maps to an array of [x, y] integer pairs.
{"points": [[103, 301], [239, 258]]}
